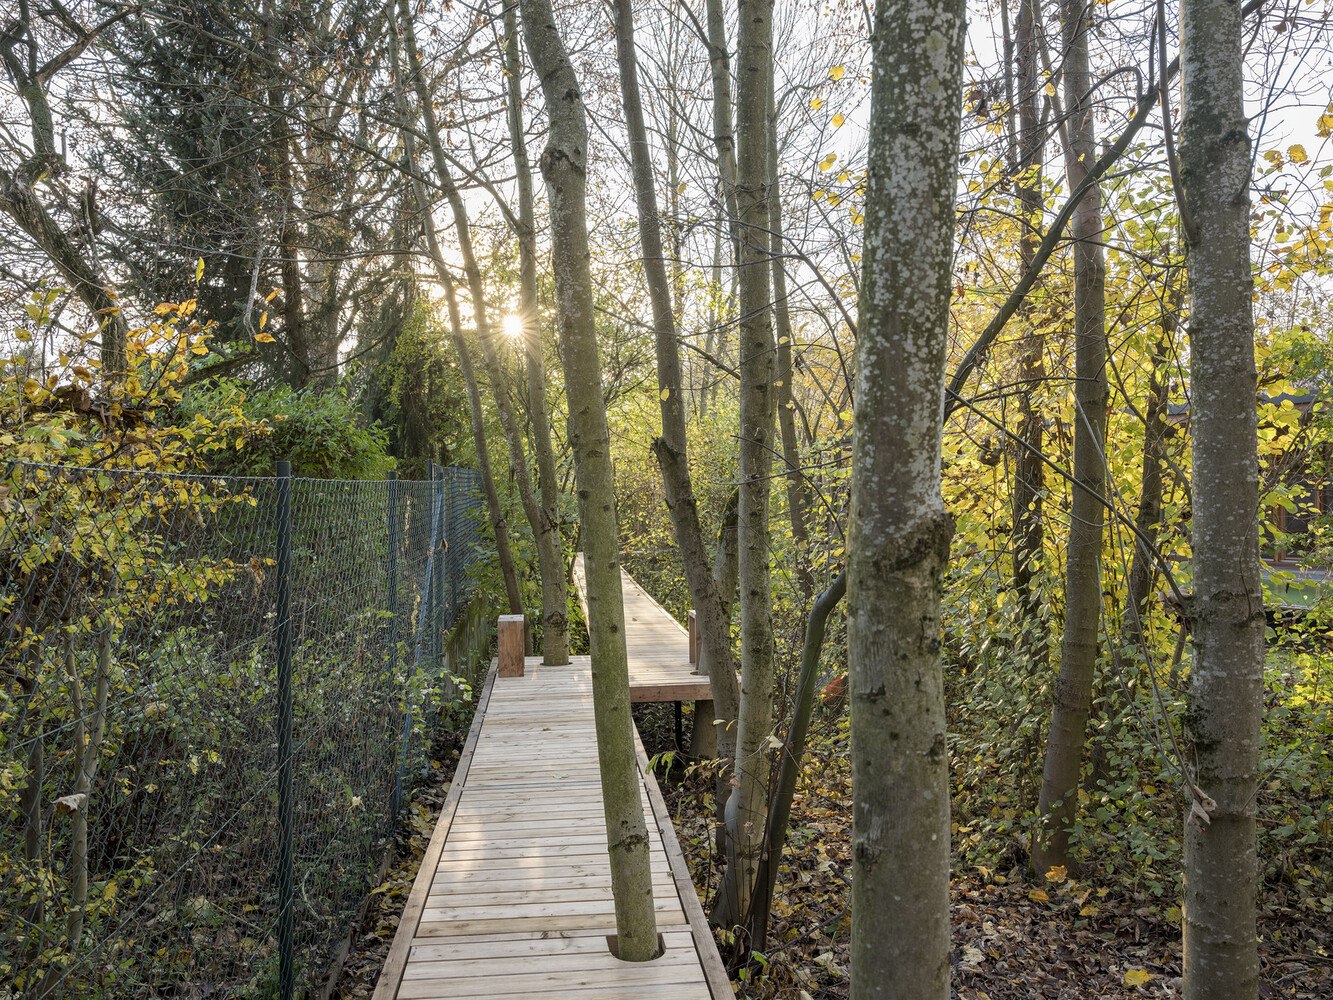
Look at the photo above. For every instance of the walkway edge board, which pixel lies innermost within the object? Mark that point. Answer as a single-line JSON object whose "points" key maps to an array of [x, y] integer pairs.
{"points": [[395, 964]]}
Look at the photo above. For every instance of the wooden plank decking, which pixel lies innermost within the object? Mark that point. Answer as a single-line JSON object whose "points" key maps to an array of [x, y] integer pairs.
{"points": [[514, 895], [659, 657]]}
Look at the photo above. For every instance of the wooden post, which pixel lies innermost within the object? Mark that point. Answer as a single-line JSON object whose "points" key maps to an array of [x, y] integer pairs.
{"points": [[693, 621], [510, 643]]}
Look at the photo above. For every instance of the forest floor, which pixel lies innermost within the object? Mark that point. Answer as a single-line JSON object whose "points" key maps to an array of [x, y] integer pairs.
{"points": [[1013, 939], [374, 935]]}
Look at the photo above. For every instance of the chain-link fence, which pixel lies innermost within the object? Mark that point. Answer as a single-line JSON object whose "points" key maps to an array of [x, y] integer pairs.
{"points": [[214, 694]]}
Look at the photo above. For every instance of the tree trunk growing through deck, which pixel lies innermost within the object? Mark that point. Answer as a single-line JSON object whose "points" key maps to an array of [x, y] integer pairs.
{"points": [[564, 165], [1226, 679], [710, 588], [550, 558], [900, 531], [555, 592], [1058, 800], [747, 806]]}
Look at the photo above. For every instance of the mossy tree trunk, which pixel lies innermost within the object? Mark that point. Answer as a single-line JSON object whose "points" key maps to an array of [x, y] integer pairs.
{"points": [[900, 531], [1226, 676], [1058, 801], [564, 166], [746, 809]]}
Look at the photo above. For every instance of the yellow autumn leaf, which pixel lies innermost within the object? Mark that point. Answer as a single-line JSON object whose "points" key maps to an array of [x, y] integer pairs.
{"points": [[836, 73], [1138, 977], [263, 319], [816, 103], [199, 271], [1296, 153], [838, 120], [1039, 896], [827, 162], [264, 338], [1057, 874], [666, 393], [1325, 125]]}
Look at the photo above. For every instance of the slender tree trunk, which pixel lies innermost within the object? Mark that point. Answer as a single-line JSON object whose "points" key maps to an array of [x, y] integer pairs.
{"points": [[746, 808], [1029, 469], [1058, 800], [19, 201], [1148, 516], [898, 545], [564, 165], [798, 499], [1226, 678], [550, 558], [724, 139], [89, 731], [555, 591], [499, 524], [793, 754], [712, 603]]}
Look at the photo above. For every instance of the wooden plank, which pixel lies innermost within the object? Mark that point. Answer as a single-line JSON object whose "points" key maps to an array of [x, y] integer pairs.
{"points": [[386, 988]]}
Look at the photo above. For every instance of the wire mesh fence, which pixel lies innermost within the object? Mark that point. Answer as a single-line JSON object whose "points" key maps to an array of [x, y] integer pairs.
{"points": [[214, 695]]}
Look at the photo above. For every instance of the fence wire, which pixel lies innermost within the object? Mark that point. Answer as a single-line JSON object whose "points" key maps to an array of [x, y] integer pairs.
{"points": [[151, 830]]}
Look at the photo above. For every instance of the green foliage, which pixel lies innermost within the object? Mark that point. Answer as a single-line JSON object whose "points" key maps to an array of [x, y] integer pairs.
{"points": [[318, 430]]}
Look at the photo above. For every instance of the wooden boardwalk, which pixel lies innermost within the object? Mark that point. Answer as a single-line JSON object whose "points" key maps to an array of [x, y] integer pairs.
{"points": [[514, 895], [659, 653]]}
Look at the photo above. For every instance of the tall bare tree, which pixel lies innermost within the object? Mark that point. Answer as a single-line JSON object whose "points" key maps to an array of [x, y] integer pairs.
{"points": [[34, 186], [555, 594], [1058, 800], [550, 558], [746, 809]]}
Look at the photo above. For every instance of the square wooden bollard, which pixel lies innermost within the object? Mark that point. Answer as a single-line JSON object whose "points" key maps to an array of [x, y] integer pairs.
{"points": [[511, 645], [693, 623]]}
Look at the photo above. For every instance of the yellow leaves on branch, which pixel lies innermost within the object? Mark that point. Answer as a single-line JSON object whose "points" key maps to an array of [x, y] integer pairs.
{"points": [[74, 412], [827, 162], [1325, 123]]}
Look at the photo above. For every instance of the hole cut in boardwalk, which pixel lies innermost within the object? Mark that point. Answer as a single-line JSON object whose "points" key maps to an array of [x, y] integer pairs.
{"points": [[514, 895]]}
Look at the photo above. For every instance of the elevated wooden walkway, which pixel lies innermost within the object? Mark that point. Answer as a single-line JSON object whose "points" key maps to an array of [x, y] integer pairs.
{"points": [[659, 649], [514, 894]]}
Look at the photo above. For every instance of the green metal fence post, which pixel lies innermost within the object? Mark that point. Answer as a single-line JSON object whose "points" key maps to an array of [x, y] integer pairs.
{"points": [[437, 585], [397, 800], [286, 825]]}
